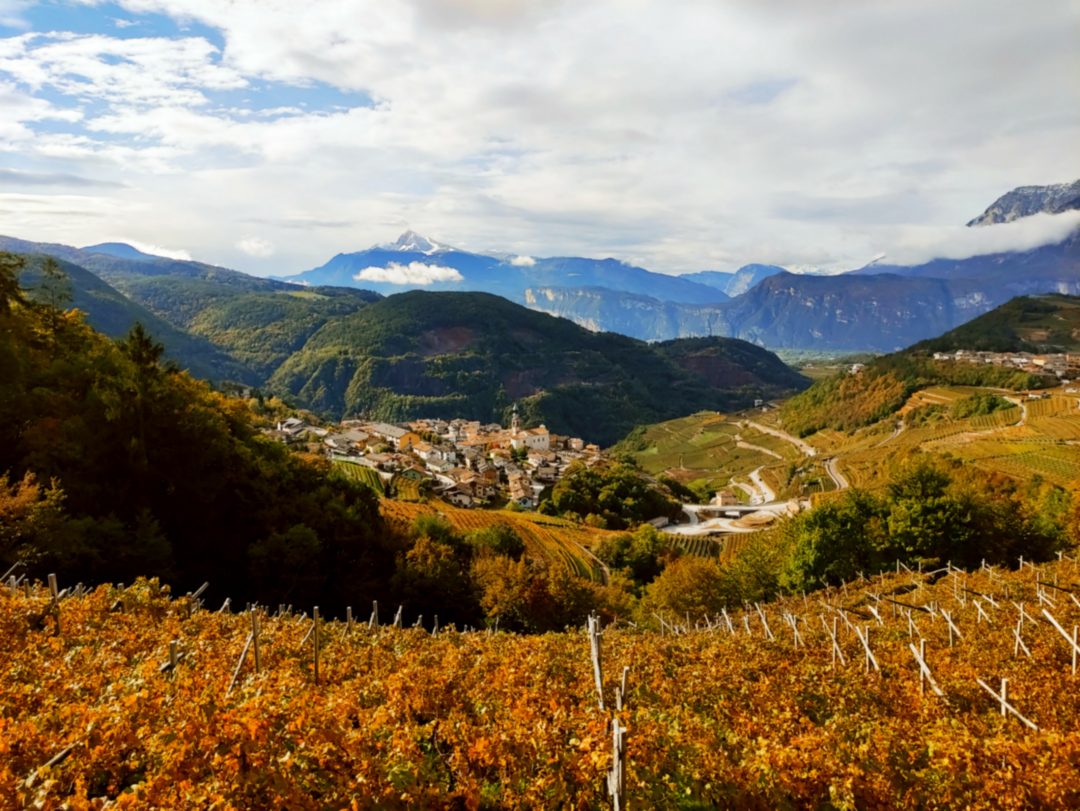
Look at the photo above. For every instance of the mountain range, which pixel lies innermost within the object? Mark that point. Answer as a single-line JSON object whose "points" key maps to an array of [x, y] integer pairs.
{"points": [[415, 262], [331, 346], [341, 351], [760, 303]]}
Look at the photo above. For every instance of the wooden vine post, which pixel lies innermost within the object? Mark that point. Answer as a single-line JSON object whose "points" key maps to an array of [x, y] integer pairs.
{"points": [[1006, 707], [315, 641], [255, 638], [616, 778], [1071, 639], [594, 650]]}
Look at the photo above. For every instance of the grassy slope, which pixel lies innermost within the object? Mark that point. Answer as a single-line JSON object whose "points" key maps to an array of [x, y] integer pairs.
{"points": [[850, 401]]}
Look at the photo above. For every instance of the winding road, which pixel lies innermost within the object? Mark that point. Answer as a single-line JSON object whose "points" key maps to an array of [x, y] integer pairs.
{"points": [[768, 495], [839, 479], [805, 447]]}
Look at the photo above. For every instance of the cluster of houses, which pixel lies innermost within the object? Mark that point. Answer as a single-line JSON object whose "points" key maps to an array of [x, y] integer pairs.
{"points": [[1063, 365], [464, 462]]}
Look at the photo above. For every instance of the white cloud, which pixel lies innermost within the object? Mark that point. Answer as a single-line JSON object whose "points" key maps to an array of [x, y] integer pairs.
{"points": [[256, 246], [137, 71], [11, 13], [674, 136], [157, 250], [523, 261], [922, 244], [413, 273]]}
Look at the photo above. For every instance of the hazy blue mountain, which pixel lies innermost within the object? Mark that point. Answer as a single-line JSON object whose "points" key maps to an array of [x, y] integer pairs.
{"points": [[737, 282], [1000, 276], [785, 311], [121, 250], [414, 262], [644, 317], [879, 312], [1027, 200]]}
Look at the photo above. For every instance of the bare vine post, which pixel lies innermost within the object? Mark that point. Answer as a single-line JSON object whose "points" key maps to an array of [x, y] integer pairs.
{"points": [[616, 778], [54, 605], [594, 649], [315, 641], [255, 638]]}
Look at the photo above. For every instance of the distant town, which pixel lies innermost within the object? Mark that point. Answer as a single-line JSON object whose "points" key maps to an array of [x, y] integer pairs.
{"points": [[1061, 364], [465, 462]]}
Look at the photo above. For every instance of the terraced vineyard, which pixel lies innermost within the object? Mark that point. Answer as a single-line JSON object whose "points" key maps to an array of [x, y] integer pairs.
{"points": [[705, 451], [910, 691], [553, 539], [701, 547], [406, 489], [362, 474], [1044, 445]]}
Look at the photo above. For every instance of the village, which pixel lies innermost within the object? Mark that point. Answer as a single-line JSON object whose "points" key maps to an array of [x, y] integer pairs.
{"points": [[464, 462], [1063, 365]]}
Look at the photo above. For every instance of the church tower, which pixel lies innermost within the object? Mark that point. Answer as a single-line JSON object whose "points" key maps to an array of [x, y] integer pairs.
{"points": [[515, 422]]}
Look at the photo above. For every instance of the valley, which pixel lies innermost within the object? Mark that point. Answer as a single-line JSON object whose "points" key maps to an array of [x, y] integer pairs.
{"points": [[471, 405], [883, 490]]}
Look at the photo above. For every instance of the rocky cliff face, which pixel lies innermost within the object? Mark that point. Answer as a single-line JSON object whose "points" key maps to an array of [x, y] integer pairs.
{"points": [[1027, 200]]}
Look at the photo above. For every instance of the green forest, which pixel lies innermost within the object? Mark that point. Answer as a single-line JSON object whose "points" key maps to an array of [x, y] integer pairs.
{"points": [[115, 464]]}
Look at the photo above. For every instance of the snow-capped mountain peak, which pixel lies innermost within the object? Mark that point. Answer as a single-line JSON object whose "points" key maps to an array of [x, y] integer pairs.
{"points": [[416, 243]]}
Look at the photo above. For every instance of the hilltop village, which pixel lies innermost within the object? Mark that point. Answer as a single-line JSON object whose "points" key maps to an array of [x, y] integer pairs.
{"points": [[465, 462], [1063, 365]]}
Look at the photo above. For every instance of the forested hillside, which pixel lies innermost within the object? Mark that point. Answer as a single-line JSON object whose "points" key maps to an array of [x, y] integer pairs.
{"points": [[464, 355], [851, 400], [474, 354], [113, 464], [1025, 324], [63, 284]]}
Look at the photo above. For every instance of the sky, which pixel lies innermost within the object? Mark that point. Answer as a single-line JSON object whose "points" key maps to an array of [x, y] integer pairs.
{"points": [[268, 135]]}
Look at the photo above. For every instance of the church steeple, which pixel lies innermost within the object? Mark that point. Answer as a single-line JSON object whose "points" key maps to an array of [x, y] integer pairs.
{"points": [[515, 421]]}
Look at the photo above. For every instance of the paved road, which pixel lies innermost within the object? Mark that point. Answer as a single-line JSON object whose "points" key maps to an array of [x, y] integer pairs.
{"points": [[758, 448], [767, 494], [900, 426], [806, 448], [839, 479]]}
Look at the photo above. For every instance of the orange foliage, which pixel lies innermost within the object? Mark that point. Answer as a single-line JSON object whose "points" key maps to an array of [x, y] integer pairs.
{"points": [[401, 718]]}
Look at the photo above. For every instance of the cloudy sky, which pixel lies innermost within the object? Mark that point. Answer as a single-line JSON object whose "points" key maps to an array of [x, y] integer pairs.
{"points": [[269, 135]]}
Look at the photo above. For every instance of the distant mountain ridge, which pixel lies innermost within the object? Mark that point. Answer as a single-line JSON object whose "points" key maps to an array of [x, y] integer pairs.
{"points": [[419, 353], [262, 322], [1024, 201], [764, 304], [420, 264], [737, 283]]}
